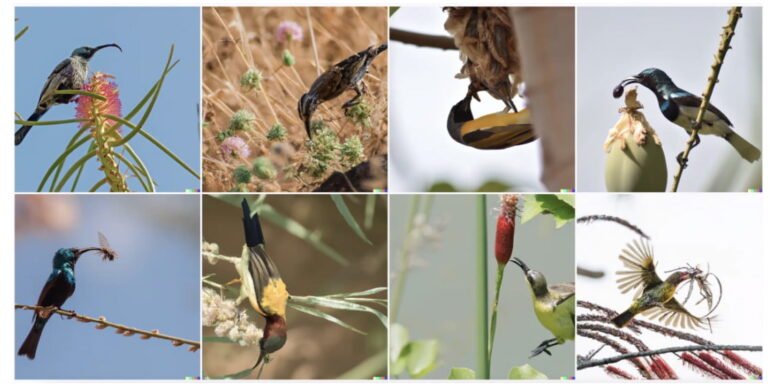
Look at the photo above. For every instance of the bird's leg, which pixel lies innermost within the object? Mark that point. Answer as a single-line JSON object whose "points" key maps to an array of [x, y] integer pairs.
{"points": [[696, 141], [360, 89], [680, 159], [512, 105], [544, 346]]}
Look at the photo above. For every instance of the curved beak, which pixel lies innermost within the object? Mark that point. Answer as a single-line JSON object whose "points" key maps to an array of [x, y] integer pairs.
{"points": [[100, 47], [521, 264], [630, 80], [81, 251]]}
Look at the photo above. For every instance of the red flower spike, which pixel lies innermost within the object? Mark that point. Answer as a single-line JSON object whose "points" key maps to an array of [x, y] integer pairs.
{"points": [[89, 108]]}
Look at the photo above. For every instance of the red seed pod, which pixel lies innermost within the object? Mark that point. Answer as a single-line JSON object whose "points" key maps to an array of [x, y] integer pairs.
{"points": [[506, 226]]}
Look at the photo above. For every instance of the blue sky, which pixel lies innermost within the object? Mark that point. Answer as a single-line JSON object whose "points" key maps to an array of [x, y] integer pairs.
{"points": [[154, 284], [146, 35]]}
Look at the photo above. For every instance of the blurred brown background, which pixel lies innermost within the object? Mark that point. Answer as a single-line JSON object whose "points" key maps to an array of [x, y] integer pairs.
{"points": [[316, 349]]}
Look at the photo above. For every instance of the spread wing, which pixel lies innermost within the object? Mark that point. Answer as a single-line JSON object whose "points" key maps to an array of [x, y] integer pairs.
{"points": [[55, 80], [672, 313], [639, 263]]}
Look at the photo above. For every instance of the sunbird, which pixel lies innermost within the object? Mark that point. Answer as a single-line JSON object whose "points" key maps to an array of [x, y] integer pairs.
{"points": [[270, 291], [70, 74], [655, 297], [58, 288], [681, 108], [554, 307], [345, 75], [491, 132]]}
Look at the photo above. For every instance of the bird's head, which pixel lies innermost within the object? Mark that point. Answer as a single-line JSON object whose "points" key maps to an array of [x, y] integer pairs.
{"points": [[273, 337], [535, 279], [678, 277], [67, 257], [306, 106], [650, 78], [86, 52]]}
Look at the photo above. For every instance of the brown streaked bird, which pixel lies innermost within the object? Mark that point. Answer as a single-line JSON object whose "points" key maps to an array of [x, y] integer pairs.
{"points": [[345, 75], [655, 297], [487, 44]]}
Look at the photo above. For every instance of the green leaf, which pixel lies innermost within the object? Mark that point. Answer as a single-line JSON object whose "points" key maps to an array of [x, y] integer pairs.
{"points": [[348, 216], [526, 372], [359, 293], [399, 339], [334, 303], [422, 355], [24, 30], [325, 316], [462, 374], [535, 205]]}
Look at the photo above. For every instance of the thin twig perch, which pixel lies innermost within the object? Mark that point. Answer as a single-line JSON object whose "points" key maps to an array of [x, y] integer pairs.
{"points": [[728, 31], [124, 330], [423, 40], [622, 357]]}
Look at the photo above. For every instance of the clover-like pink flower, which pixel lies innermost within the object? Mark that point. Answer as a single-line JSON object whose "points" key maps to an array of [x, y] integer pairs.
{"points": [[288, 31], [234, 146]]}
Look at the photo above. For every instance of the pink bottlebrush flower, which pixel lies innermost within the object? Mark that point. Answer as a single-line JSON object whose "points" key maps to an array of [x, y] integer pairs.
{"points": [[235, 146], [288, 31], [90, 109]]}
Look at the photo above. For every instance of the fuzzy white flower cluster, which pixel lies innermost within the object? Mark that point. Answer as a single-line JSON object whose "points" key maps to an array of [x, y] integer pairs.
{"points": [[223, 315], [210, 247]]}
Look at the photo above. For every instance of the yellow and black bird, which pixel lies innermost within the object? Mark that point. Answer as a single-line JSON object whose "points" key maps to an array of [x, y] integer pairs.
{"points": [[554, 307], [491, 132], [654, 297], [270, 291]]}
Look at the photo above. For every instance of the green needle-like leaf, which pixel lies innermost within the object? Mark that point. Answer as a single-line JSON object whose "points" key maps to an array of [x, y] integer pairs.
{"points": [[348, 216], [325, 316], [338, 304]]}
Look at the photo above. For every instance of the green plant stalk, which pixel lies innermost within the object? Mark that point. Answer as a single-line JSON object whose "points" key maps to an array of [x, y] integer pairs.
{"points": [[106, 157], [493, 322], [77, 176], [74, 167], [482, 334], [59, 163], [403, 266]]}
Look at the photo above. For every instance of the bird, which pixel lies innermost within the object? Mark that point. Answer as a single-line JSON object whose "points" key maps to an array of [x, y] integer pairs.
{"points": [[554, 307], [681, 108], [270, 293], [70, 74], [654, 297], [490, 132], [345, 75], [57, 289]]}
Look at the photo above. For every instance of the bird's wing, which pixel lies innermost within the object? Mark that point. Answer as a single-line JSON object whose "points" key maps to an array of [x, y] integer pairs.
{"points": [[262, 271], [54, 80], [328, 85], [684, 98], [639, 261], [672, 313], [562, 291]]}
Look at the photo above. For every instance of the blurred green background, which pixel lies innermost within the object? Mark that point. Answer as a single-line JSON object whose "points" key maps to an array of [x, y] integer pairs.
{"points": [[316, 349], [439, 297]]}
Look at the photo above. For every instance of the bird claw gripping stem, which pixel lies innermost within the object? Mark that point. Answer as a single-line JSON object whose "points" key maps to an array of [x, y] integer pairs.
{"points": [[346, 75]]}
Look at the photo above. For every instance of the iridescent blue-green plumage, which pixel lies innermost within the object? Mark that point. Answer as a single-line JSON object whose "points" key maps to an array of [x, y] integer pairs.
{"points": [[681, 108], [70, 74]]}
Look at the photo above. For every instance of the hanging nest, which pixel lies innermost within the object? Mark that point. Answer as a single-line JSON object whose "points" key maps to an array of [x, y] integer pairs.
{"points": [[487, 44]]}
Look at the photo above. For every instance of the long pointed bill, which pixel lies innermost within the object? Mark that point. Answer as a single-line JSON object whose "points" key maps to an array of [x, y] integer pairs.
{"points": [[631, 80], [100, 47], [521, 264], [81, 251]]}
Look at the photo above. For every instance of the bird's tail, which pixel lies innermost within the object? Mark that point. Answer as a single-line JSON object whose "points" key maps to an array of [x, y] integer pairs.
{"points": [[29, 347], [624, 318], [746, 149], [23, 131], [251, 227]]}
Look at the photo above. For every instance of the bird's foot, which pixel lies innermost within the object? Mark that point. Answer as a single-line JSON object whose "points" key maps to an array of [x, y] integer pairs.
{"points": [[681, 160], [695, 142], [544, 346]]}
